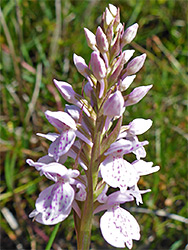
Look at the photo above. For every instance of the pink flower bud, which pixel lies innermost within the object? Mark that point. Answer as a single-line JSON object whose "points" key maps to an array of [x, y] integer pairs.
{"points": [[127, 82], [88, 89], [119, 27], [114, 105], [109, 33], [81, 65], [66, 91], [98, 66], [70, 95], [116, 19], [91, 40], [118, 67], [135, 65], [129, 34], [101, 39], [137, 94], [108, 17], [115, 50], [128, 54], [113, 9]]}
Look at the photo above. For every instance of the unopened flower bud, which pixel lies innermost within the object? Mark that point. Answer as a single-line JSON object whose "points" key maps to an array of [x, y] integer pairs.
{"points": [[118, 67], [129, 34], [135, 65], [116, 19], [102, 41], [126, 82], [108, 17], [119, 28], [113, 9], [109, 33], [114, 106], [99, 70], [115, 50], [70, 95], [98, 66], [91, 40], [81, 65], [88, 89], [137, 94], [128, 54], [66, 90]]}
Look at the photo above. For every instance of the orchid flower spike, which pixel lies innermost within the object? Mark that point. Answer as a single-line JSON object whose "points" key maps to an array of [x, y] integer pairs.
{"points": [[91, 132]]}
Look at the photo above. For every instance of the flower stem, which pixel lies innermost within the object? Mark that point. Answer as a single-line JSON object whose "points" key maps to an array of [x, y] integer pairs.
{"points": [[52, 237], [84, 234]]}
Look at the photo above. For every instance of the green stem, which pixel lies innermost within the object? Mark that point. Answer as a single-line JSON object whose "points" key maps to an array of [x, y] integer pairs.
{"points": [[52, 237], [84, 235], [84, 230]]}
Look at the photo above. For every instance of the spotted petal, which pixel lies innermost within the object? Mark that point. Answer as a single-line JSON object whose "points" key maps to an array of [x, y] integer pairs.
{"points": [[54, 204], [62, 144], [117, 172], [119, 227]]}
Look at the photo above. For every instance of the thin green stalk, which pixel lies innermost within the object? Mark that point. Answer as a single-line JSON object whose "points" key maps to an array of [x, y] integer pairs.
{"points": [[84, 230], [52, 237], [87, 215]]}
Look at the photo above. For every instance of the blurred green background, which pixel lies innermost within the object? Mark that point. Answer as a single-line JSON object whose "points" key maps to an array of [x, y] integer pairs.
{"points": [[38, 39]]}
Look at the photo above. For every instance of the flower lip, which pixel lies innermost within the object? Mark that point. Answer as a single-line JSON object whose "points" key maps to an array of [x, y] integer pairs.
{"points": [[54, 204], [119, 227]]}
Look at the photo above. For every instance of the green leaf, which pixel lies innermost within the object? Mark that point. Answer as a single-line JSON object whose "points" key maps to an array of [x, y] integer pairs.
{"points": [[9, 169], [176, 245]]}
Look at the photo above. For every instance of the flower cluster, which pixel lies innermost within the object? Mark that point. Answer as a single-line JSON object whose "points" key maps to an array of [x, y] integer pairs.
{"points": [[91, 132]]}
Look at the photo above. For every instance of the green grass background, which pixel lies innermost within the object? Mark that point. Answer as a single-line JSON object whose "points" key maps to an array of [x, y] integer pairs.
{"points": [[38, 39]]}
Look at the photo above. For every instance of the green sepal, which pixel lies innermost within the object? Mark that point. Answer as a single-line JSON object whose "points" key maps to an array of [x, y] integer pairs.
{"points": [[83, 131], [83, 157], [106, 142], [85, 104], [98, 190]]}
